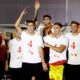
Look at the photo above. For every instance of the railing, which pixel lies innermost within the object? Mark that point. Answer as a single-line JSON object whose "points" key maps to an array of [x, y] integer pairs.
{"points": [[11, 25]]}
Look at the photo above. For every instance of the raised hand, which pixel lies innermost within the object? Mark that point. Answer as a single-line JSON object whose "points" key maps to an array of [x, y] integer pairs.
{"points": [[17, 23], [24, 11], [37, 4]]}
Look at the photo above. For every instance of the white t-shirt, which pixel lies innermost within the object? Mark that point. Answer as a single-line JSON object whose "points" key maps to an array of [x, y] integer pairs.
{"points": [[56, 56], [40, 28], [31, 46], [15, 49], [73, 49]]}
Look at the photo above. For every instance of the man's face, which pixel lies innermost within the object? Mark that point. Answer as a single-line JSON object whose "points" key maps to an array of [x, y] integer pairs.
{"points": [[74, 28], [47, 20], [30, 27], [57, 29]]}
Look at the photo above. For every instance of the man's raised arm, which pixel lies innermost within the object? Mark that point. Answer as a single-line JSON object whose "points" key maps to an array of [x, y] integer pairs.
{"points": [[17, 23]]}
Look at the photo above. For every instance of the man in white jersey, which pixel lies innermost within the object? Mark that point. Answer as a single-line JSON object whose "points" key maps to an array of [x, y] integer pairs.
{"points": [[73, 64], [47, 24], [58, 46], [15, 64], [33, 56]]}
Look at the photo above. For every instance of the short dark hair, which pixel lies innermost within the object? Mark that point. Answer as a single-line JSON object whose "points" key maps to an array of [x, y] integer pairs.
{"points": [[47, 16], [30, 21], [35, 19], [74, 22], [59, 24]]}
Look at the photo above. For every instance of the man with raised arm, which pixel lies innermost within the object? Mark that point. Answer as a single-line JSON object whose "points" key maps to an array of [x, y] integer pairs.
{"points": [[33, 55]]}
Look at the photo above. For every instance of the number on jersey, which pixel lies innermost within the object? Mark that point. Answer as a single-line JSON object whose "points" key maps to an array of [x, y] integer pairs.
{"points": [[30, 44], [19, 49], [73, 45]]}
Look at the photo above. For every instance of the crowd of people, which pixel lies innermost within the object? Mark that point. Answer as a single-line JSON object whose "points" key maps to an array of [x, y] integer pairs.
{"points": [[42, 51]]}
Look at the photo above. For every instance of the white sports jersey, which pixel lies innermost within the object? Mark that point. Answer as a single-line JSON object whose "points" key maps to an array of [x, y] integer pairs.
{"points": [[15, 49], [31, 46], [73, 49], [56, 56]]}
